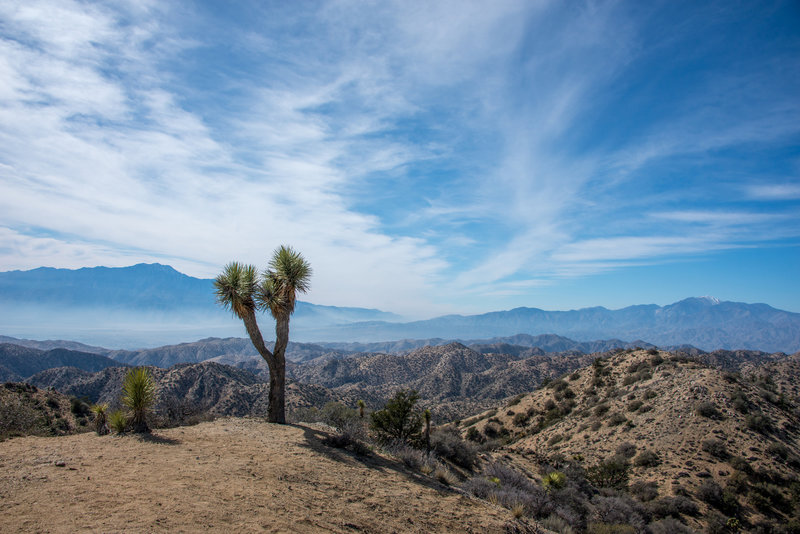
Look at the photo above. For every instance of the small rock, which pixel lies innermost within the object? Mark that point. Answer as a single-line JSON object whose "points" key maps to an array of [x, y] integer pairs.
{"points": [[59, 463]]}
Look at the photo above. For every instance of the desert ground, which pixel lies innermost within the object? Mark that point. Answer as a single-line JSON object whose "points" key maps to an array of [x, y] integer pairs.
{"points": [[235, 475]]}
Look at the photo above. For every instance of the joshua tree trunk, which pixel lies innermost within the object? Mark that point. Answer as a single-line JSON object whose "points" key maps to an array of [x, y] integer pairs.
{"points": [[277, 380], [276, 362]]}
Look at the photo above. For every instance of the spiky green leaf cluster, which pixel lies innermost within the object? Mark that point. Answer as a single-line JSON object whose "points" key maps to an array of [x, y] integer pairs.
{"points": [[236, 287], [240, 289], [139, 394], [118, 421]]}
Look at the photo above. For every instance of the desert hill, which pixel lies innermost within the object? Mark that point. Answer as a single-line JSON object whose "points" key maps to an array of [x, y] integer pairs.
{"points": [[235, 475], [17, 362], [188, 392], [726, 443], [228, 350], [28, 410], [452, 380]]}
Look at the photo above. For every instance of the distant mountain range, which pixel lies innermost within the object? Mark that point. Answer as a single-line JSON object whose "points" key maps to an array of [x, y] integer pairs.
{"points": [[150, 305]]}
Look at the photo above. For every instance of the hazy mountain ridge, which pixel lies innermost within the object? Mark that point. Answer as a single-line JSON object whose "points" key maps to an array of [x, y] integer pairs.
{"points": [[17, 362], [701, 322], [142, 305], [147, 305]]}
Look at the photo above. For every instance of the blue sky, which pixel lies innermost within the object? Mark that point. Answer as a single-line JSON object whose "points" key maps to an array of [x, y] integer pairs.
{"points": [[426, 157]]}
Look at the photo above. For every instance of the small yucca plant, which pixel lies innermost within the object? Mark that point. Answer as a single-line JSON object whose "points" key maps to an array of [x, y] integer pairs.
{"points": [[555, 480], [118, 421], [100, 419], [139, 394]]}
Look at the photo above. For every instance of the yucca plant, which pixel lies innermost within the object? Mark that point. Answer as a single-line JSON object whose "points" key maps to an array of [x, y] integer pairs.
{"points": [[100, 419], [361, 405], [555, 480], [139, 394], [241, 289], [118, 421]]}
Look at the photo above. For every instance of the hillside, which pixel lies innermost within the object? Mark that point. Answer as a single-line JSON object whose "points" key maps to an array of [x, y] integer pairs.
{"points": [[452, 380], [687, 431], [28, 410], [188, 392], [229, 351], [17, 363], [235, 475]]}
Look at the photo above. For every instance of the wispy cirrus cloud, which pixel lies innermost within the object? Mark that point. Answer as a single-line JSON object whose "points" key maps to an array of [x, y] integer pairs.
{"points": [[415, 152]]}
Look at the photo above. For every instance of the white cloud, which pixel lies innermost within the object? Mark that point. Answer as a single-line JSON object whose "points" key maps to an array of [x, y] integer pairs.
{"points": [[774, 191], [108, 154]]}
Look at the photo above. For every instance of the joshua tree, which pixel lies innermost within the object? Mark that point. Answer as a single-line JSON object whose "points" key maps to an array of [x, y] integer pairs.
{"points": [[240, 289], [138, 394]]}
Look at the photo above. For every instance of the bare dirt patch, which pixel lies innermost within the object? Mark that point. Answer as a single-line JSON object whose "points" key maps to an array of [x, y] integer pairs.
{"points": [[236, 475]]}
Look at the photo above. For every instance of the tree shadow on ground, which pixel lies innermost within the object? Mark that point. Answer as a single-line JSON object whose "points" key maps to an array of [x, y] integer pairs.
{"points": [[155, 438], [314, 441]]}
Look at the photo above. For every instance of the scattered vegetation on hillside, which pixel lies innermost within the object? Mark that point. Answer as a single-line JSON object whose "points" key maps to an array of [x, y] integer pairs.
{"points": [[647, 442], [28, 410]]}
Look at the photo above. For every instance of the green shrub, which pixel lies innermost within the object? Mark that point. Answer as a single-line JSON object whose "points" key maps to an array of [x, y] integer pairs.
{"points": [[338, 415], [710, 493], [740, 464], [706, 409], [399, 419], [601, 409], [520, 419], [644, 491], [78, 407], [778, 450], [610, 473], [19, 418], [447, 443], [473, 434], [516, 400], [616, 419], [715, 448], [672, 507], [634, 405], [647, 458], [737, 483], [345, 439], [758, 422], [626, 450], [739, 401]]}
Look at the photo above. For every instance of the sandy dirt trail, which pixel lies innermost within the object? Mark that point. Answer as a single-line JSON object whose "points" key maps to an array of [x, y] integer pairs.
{"points": [[235, 475]]}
